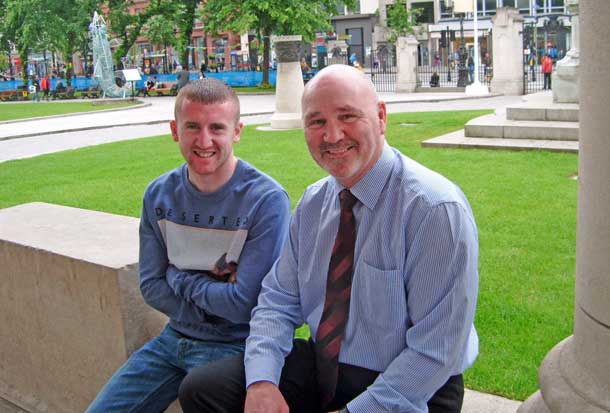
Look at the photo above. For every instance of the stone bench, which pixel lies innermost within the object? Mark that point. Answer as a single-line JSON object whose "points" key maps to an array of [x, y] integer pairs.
{"points": [[70, 308]]}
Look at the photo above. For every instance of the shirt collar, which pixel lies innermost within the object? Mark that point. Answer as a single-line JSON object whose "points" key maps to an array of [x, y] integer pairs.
{"points": [[368, 189]]}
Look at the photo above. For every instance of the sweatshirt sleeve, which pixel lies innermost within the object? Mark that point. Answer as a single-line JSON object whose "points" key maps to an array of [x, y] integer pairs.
{"points": [[234, 301], [153, 283]]}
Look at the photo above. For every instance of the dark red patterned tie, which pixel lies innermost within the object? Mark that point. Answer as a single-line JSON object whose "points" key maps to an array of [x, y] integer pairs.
{"points": [[336, 305]]}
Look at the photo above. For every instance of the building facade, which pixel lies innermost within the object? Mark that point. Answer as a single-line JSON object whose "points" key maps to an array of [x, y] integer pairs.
{"points": [[440, 29]]}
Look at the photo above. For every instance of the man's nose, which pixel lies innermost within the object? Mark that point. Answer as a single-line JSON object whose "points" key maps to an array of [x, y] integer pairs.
{"points": [[204, 138], [333, 133]]}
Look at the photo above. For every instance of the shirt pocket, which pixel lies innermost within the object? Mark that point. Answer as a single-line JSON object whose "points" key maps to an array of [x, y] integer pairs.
{"points": [[381, 299]]}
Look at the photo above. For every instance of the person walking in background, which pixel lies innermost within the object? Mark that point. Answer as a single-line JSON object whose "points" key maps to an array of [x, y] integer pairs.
{"points": [[547, 70], [352, 58], [380, 262], [45, 85], [35, 89], [210, 230]]}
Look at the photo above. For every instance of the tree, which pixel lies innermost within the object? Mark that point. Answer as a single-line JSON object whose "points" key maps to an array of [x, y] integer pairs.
{"points": [[71, 29], [185, 19], [21, 27], [41, 26], [159, 31], [401, 20], [267, 17], [126, 26]]}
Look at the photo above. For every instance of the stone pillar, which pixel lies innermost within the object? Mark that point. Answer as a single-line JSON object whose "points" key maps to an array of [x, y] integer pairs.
{"points": [[406, 59], [289, 83], [565, 76], [70, 307], [575, 375], [507, 52]]}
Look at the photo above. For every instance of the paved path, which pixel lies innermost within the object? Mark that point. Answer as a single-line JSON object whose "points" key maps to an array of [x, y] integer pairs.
{"points": [[24, 139]]}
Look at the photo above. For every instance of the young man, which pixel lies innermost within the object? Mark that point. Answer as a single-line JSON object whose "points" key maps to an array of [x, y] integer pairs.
{"points": [[380, 262], [210, 230]]}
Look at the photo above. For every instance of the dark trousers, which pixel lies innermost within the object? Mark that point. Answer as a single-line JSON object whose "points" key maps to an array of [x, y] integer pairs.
{"points": [[547, 81], [220, 387]]}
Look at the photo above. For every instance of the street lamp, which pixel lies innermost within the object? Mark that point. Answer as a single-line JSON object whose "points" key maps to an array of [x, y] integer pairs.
{"points": [[476, 88]]}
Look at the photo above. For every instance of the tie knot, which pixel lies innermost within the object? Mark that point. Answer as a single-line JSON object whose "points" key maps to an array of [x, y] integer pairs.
{"points": [[347, 199]]}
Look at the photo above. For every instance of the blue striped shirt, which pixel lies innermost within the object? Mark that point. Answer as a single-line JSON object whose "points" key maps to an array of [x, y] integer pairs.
{"points": [[414, 286]]}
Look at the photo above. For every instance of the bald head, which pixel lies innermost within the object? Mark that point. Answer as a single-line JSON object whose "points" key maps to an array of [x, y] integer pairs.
{"points": [[343, 76]]}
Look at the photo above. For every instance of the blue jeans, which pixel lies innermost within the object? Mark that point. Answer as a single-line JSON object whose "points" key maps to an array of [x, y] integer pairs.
{"points": [[148, 381]]}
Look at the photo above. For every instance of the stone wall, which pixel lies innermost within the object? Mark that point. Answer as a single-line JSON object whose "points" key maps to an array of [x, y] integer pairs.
{"points": [[70, 307]]}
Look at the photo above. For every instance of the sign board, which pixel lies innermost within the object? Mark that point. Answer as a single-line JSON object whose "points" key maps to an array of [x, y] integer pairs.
{"points": [[131, 75]]}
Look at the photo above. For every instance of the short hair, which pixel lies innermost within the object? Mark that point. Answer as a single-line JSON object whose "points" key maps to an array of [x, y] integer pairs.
{"points": [[207, 91]]}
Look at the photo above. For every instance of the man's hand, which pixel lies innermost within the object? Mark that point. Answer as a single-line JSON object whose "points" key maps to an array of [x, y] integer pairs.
{"points": [[265, 397]]}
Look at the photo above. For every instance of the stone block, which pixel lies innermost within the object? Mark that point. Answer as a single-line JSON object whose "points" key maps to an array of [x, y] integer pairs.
{"points": [[525, 113], [484, 131], [562, 114], [70, 307], [543, 130]]}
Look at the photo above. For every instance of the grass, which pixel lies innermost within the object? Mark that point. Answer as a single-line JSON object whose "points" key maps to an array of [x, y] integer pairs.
{"points": [[254, 89], [14, 111], [524, 204]]}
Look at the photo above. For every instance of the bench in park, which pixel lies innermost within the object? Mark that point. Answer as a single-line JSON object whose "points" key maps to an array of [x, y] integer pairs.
{"points": [[7, 95], [165, 89], [64, 93], [93, 92]]}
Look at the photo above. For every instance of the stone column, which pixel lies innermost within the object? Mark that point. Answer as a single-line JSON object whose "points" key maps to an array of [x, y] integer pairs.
{"points": [[565, 76], [289, 83], [406, 59], [575, 375], [507, 52]]}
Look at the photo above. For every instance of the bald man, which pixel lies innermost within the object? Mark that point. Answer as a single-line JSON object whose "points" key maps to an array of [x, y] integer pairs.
{"points": [[401, 329]]}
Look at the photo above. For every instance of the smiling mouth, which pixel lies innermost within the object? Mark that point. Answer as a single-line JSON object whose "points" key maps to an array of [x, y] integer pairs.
{"points": [[204, 154], [338, 151]]}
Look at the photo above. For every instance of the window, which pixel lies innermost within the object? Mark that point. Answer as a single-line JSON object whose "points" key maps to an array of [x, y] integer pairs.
{"points": [[343, 10], [557, 6], [489, 7], [445, 14], [426, 14], [522, 5]]}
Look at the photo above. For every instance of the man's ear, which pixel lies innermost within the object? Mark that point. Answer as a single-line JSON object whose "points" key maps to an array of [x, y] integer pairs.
{"points": [[382, 115], [174, 128], [238, 128]]}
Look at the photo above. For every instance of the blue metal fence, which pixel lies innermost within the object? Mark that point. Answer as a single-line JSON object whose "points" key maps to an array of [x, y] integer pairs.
{"points": [[243, 79]]}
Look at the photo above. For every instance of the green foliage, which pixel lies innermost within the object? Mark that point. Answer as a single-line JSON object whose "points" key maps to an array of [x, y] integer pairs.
{"points": [[4, 63], [267, 17], [185, 17], [400, 20], [40, 26], [126, 26], [524, 204]]}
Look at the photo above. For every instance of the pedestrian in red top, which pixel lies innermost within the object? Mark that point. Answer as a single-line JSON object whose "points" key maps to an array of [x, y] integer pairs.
{"points": [[547, 69], [45, 85]]}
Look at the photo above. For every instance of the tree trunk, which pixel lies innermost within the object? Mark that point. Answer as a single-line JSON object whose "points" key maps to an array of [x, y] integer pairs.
{"points": [[266, 54]]}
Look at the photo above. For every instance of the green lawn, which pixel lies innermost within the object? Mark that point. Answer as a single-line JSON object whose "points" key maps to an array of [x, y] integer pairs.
{"points": [[13, 111], [524, 204], [254, 89]]}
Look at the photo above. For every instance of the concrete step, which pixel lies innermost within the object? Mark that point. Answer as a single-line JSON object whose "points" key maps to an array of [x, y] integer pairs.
{"points": [[458, 140], [497, 126], [557, 112]]}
